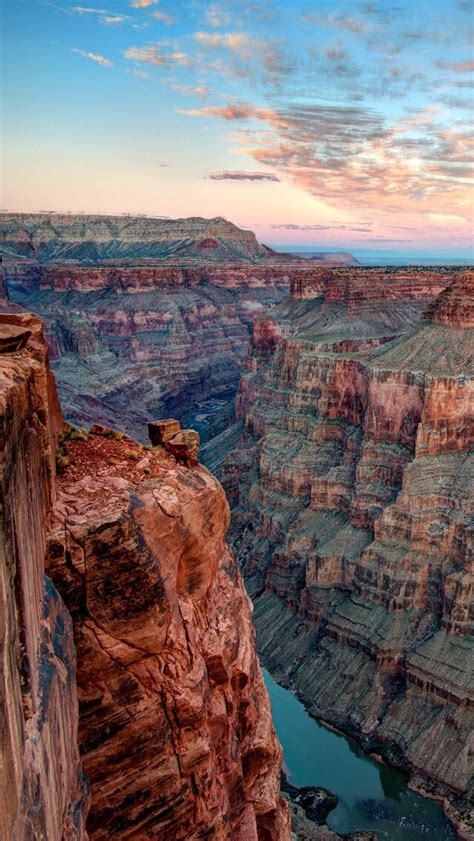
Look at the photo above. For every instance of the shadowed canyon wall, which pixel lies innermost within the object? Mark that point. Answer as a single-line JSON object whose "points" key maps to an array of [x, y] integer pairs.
{"points": [[352, 492], [42, 793], [174, 724], [146, 317]]}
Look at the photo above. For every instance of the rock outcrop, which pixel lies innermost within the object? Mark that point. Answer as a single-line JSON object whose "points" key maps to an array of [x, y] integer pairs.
{"points": [[43, 793], [173, 722], [352, 490]]}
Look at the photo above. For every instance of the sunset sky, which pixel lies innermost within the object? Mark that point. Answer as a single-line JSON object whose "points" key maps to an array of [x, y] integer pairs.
{"points": [[327, 124]]}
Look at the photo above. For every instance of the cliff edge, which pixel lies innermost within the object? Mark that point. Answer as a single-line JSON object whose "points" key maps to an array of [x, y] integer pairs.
{"points": [[173, 721]]}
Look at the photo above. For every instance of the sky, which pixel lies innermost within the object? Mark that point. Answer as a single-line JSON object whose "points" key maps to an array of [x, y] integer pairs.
{"points": [[329, 124]]}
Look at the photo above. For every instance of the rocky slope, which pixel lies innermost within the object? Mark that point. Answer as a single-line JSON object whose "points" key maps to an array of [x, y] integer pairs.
{"points": [[120, 358], [352, 489], [130, 343], [174, 725], [68, 237], [167, 305]]}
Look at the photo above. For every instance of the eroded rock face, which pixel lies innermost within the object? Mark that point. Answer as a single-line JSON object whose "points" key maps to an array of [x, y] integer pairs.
{"points": [[43, 793], [92, 238], [121, 358], [353, 489], [175, 724], [166, 305]]}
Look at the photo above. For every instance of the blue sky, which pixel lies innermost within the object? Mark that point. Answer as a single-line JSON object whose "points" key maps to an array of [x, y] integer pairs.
{"points": [[329, 124]]}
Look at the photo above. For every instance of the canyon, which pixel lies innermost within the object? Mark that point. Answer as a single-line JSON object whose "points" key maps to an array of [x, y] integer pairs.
{"points": [[166, 305], [132, 693], [351, 490], [335, 403]]}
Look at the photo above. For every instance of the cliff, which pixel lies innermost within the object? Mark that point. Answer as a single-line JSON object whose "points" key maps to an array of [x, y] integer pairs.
{"points": [[173, 351], [173, 724], [175, 335], [90, 239], [352, 488], [43, 793]]}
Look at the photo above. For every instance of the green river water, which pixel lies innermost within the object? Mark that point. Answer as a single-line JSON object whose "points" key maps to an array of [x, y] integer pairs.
{"points": [[371, 795]]}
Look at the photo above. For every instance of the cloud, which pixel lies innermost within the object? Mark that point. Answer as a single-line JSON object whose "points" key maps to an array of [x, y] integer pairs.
{"points": [[189, 90], [107, 18], [99, 59], [349, 24], [115, 20], [152, 54], [290, 226], [243, 176], [455, 101], [85, 10], [237, 42], [456, 67], [143, 4], [140, 74], [242, 111], [216, 16], [163, 17], [349, 153]]}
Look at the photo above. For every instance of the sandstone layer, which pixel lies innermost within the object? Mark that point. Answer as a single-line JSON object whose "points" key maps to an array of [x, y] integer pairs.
{"points": [[121, 358], [144, 316], [173, 722], [70, 238], [88, 238], [43, 794], [352, 491]]}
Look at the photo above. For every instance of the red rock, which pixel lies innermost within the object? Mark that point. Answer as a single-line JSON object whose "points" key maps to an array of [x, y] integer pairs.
{"points": [[353, 481], [160, 432], [43, 793], [174, 726], [184, 446], [12, 338], [175, 731]]}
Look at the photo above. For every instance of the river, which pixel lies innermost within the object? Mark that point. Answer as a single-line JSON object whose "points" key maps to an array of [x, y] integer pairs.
{"points": [[371, 795]]}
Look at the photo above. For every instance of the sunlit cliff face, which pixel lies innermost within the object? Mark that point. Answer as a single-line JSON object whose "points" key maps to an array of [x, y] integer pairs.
{"points": [[343, 124]]}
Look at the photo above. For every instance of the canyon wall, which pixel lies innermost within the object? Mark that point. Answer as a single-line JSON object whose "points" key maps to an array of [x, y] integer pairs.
{"points": [[89, 238], [129, 343], [43, 793], [352, 492], [122, 357], [145, 316], [160, 689]]}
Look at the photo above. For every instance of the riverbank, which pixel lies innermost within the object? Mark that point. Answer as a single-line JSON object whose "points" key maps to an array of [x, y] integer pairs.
{"points": [[372, 796]]}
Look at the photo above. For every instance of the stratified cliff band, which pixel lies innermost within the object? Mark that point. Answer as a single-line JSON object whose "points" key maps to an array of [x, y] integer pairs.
{"points": [[352, 493], [174, 722]]}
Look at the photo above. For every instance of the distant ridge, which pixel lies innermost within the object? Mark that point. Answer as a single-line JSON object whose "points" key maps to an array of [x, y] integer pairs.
{"points": [[89, 239]]}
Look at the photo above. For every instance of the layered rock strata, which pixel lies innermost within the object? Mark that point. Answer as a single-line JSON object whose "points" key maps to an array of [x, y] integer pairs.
{"points": [[352, 490], [122, 357], [173, 721], [89, 238], [133, 343], [175, 724], [83, 238], [43, 793], [166, 305]]}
